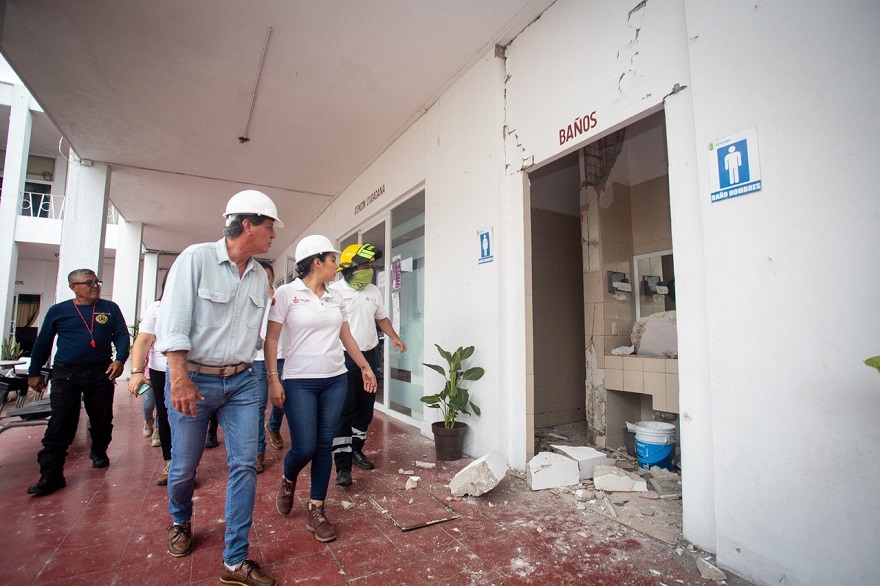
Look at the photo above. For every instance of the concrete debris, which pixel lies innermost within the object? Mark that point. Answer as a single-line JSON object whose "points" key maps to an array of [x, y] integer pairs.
{"points": [[584, 534], [710, 572], [650, 495], [655, 572], [613, 479], [549, 470], [348, 505], [406, 472], [480, 476], [558, 436], [666, 483], [412, 482], [582, 495], [610, 507], [411, 501], [586, 457], [580, 506], [427, 465], [600, 494], [670, 497]]}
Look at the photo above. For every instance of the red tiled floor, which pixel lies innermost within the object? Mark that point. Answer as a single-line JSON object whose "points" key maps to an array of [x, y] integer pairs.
{"points": [[110, 526]]}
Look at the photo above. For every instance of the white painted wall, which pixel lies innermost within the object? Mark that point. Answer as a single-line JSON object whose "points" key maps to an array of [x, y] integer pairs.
{"points": [[792, 286], [778, 290]]}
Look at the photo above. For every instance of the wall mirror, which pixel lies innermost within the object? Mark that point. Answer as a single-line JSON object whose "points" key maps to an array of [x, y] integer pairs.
{"points": [[653, 283]]}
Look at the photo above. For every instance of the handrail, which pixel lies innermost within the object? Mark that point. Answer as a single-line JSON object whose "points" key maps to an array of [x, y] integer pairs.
{"points": [[47, 205]]}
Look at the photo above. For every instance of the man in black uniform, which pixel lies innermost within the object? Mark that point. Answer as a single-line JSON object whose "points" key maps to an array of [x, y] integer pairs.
{"points": [[86, 326]]}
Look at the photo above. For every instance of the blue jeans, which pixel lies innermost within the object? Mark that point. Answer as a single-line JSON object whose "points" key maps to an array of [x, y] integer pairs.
{"points": [[263, 385], [235, 401], [149, 399], [313, 407]]}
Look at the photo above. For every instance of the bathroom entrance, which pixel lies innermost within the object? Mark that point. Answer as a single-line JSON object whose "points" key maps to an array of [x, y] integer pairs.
{"points": [[604, 346]]}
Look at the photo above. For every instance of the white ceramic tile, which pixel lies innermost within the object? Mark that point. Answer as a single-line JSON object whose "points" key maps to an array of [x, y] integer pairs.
{"points": [[654, 364], [614, 362], [672, 366], [614, 379], [634, 381], [655, 383], [633, 363]]}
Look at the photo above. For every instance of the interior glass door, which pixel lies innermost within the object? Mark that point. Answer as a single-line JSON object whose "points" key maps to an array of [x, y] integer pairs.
{"points": [[406, 287]]}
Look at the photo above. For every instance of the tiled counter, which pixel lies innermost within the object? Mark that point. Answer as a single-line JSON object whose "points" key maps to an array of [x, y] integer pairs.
{"points": [[645, 375]]}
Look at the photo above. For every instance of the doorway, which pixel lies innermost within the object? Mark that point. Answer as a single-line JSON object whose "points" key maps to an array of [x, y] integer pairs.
{"points": [[601, 216]]}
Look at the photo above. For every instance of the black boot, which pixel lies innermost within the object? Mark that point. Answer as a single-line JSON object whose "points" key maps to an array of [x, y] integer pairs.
{"points": [[211, 441], [343, 477], [99, 459], [47, 485], [362, 461]]}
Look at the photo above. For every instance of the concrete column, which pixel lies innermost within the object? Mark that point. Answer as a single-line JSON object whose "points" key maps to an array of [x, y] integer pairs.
{"points": [[85, 222], [694, 375], [18, 143], [148, 280], [127, 268]]}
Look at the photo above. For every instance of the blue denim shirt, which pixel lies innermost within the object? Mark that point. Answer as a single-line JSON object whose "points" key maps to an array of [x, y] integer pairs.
{"points": [[208, 310]]}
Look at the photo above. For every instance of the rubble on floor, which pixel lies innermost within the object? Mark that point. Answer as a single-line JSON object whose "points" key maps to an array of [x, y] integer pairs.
{"points": [[614, 479], [549, 470], [709, 571], [586, 457], [480, 476]]}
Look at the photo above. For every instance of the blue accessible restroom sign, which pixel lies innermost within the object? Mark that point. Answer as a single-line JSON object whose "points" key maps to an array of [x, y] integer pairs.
{"points": [[734, 166], [486, 252]]}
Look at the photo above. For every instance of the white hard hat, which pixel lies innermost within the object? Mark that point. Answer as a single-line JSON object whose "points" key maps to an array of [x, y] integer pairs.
{"points": [[251, 201], [312, 245]]}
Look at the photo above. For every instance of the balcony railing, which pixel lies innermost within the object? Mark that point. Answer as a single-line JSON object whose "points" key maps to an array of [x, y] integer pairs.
{"points": [[47, 205]]}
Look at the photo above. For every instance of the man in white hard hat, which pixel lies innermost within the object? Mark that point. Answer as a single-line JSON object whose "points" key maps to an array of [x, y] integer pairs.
{"points": [[208, 329]]}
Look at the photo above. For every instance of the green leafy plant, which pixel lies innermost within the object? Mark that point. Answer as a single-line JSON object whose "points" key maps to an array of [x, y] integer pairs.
{"points": [[453, 399], [133, 329], [10, 348], [874, 362]]}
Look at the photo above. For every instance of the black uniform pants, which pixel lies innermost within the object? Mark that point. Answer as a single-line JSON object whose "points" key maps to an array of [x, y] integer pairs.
{"points": [[357, 413], [70, 385], [157, 379]]}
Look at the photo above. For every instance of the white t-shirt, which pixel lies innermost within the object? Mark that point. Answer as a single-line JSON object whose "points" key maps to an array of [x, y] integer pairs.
{"points": [[156, 360], [364, 307], [312, 348]]}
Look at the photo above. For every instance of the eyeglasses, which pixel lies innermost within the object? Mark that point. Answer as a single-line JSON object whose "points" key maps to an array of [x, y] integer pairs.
{"points": [[90, 283]]}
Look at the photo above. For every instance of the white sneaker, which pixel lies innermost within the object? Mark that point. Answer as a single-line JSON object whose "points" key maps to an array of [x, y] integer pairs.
{"points": [[148, 428]]}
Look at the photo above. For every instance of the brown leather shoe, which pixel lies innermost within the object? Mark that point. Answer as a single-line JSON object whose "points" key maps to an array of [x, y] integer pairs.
{"points": [[319, 525], [180, 539], [275, 438], [261, 463], [163, 478], [247, 573], [284, 500]]}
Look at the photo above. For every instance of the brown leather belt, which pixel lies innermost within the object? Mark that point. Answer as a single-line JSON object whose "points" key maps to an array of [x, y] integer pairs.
{"points": [[224, 371]]}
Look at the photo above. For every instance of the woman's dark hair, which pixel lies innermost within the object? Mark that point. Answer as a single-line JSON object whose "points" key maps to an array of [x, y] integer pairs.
{"points": [[164, 280], [267, 266], [304, 267]]}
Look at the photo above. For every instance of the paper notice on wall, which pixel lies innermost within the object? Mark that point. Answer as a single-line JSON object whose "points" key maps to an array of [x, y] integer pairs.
{"points": [[395, 310], [382, 279], [406, 265]]}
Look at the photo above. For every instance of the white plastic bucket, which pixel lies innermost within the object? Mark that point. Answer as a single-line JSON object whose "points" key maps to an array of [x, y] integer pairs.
{"points": [[655, 444]]}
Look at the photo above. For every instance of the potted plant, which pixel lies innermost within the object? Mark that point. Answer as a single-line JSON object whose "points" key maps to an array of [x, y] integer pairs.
{"points": [[452, 400], [10, 349]]}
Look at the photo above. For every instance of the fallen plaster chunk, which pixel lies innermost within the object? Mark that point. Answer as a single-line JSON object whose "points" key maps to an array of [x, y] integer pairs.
{"points": [[428, 465], [581, 495], [586, 457], [406, 472], [709, 571], [480, 476], [613, 479], [549, 470], [412, 482], [348, 505]]}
